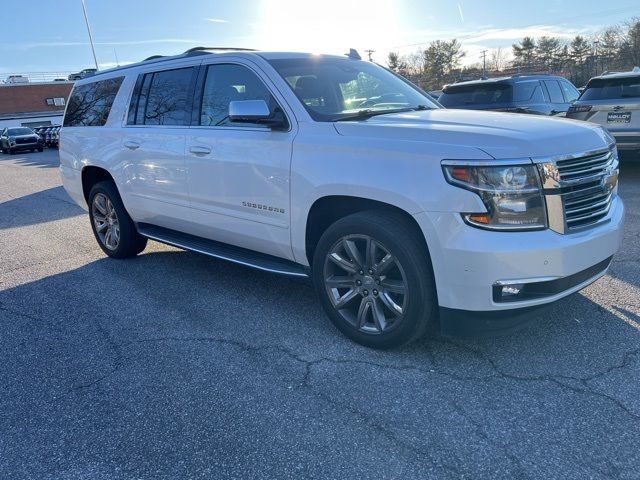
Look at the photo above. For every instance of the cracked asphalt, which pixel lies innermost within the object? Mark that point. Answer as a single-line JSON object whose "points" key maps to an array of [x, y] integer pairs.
{"points": [[174, 365]]}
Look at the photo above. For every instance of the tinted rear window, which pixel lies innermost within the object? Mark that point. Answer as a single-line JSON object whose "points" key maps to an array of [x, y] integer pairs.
{"points": [[476, 94], [612, 88], [163, 98], [90, 104], [528, 92]]}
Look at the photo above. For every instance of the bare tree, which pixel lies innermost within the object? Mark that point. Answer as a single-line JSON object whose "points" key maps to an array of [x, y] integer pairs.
{"points": [[497, 60]]}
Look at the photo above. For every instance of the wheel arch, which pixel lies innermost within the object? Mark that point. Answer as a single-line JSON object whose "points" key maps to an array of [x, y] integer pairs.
{"points": [[328, 209], [92, 175]]}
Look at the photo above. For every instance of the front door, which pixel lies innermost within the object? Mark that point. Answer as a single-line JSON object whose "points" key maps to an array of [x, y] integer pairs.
{"points": [[238, 173]]}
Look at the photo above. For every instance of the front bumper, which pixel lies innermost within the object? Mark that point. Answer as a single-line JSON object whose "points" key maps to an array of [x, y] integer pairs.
{"points": [[469, 262], [25, 146]]}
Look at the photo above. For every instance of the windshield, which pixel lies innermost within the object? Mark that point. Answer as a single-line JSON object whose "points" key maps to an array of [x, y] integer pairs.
{"points": [[612, 88], [476, 94], [19, 131], [335, 88]]}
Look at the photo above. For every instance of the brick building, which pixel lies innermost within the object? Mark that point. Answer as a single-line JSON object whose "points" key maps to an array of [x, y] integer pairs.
{"points": [[33, 104]]}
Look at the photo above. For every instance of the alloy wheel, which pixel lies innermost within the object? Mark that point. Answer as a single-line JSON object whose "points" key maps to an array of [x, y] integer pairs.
{"points": [[366, 284], [105, 221]]}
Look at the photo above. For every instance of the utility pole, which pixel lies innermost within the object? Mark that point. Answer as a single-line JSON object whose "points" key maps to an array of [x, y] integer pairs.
{"points": [[86, 20], [484, 63], [369, 52], [116, 55], [595, 43]]}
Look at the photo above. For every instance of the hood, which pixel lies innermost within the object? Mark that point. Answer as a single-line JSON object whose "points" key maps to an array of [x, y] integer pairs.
{"points": [[501, 135]]}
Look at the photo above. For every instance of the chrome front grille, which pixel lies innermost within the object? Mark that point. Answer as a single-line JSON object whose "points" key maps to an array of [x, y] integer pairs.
{"points": [[579, 189], [587, 166], [585, 207]]}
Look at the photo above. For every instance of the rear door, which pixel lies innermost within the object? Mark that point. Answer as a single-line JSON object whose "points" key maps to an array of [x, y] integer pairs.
{"points": [[152, 153], [557, 101]]}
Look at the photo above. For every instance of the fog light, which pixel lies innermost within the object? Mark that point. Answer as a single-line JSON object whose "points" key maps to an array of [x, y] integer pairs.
{"points": [[511, 290]]}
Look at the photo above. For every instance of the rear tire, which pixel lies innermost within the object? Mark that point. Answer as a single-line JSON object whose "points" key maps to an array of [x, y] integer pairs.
{"points": [[373, 274], [11, 151], [112, 226]]}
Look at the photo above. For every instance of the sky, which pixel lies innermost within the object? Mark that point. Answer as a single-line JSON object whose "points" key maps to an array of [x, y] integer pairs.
{"points": [[51, 36]]}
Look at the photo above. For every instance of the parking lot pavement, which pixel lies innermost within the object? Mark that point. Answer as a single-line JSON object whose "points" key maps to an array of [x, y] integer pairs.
{"points": [[174, 365]]}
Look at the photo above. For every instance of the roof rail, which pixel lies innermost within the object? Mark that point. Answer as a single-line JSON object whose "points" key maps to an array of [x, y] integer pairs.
{"points": [[165, 58], [204, 49]]}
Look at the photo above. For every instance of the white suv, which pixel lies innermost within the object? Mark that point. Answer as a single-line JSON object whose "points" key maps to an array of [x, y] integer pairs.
{"points": [[404, 214]]}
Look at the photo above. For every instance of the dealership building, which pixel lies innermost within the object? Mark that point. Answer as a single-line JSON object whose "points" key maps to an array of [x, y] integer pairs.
{"points": [[33, 104]]}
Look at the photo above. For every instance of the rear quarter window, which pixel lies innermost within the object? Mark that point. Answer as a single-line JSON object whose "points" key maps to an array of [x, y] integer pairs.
{"points": [[612, 88], [89, 105]]}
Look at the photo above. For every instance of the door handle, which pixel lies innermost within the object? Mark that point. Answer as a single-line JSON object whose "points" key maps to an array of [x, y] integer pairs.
{"points": [[132, 145], [199, 150]]}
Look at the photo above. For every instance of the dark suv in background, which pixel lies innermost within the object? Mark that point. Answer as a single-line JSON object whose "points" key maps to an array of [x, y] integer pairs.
{"points": [[18, 139], [536, 94]]}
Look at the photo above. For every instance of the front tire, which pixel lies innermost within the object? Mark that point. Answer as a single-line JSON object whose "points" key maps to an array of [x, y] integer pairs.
{"points": [[373, 274], [112, 226]]}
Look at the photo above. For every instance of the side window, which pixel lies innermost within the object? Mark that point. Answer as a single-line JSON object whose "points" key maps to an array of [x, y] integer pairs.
{"points": [[163, 98], [555, 94], [90, 104], [571, 93], [226, 83], [528, 92]]}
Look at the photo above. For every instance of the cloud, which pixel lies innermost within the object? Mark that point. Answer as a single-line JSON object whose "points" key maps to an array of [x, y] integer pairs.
{"points": [[217, 20], [518, 33]]}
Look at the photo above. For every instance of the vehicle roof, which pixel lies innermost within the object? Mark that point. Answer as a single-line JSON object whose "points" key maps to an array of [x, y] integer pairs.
{"points": [[507, 79], [617, 75], [218, 52]]}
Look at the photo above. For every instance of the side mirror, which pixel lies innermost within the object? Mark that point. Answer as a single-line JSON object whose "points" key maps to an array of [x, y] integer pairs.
{"points": [[255, 111], [248, 111]]}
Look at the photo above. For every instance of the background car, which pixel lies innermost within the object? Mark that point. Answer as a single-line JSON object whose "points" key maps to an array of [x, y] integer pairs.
{"points": [[612, 101], [15, 79], [16, 139], [87, 72], [535, 94]]}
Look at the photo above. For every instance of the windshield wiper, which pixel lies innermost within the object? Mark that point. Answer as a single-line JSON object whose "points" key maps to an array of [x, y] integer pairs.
{"points": [[368, 113]]}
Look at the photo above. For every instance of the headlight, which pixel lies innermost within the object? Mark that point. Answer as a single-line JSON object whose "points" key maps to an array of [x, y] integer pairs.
{"points": [[510, 193]]}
